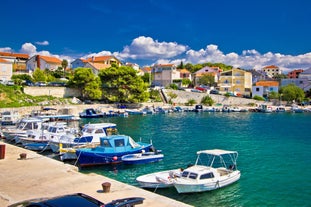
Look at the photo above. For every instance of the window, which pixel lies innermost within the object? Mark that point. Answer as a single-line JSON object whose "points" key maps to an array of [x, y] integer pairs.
{"points": [[207, 176], [185, 174], [105, 143], [98, 131], [257, 89], [238, 81], [193, 175], [119, 142]]}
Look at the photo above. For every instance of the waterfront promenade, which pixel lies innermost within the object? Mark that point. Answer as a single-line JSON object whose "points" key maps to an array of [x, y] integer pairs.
{"points": [[40, 176]]}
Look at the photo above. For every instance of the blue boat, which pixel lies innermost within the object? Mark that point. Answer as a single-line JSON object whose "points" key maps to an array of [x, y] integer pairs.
{"points": [[110, 150], [142, 158], [91, 113]]}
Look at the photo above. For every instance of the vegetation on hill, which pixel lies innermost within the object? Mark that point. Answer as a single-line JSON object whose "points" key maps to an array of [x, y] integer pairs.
{"points": [[13, 96]]}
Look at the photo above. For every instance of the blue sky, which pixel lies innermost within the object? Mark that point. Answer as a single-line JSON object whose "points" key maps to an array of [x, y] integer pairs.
{"points": [[242, 33]]}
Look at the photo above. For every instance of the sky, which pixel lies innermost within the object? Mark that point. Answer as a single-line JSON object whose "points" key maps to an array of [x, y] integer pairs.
{"points": [[242, 33]]}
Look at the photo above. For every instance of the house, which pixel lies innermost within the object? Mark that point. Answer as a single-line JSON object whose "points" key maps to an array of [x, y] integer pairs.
{"points": [[258, 75], [272, 70], [236, 81], [132, 65], [164, 74], [43, 62], [18, 61], [214, 71], [294, 73], [96, 67], [263, 88], [96, 63], [303, 81], [6, 70]]}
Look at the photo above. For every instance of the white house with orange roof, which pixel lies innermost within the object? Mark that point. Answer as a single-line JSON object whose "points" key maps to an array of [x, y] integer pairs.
{"points": [[96, 63], [6, 70], [214, 71], [272, 70], [164, 74], [43, 62], [18, 61]]}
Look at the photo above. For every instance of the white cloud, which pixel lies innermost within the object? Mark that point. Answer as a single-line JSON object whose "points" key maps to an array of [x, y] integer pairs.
{"points": [[44, 43], [147, 48], [6, 49], [249, 59]]}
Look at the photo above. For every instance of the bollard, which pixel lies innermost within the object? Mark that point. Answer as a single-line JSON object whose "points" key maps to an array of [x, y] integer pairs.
{"points": [[106, 187], [23, 156], [2, 151]]}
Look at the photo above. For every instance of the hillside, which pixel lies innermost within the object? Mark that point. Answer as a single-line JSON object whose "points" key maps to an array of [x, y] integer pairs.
{"points": [[13, 96]]}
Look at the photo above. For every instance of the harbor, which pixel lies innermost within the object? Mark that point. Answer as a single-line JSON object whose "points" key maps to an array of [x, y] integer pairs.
{"points": [[38, 176]]}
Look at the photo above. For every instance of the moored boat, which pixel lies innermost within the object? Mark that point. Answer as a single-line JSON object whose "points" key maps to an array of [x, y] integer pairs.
{"points": [[110, 150], [142, 158], [162, 179], [213, 169]]}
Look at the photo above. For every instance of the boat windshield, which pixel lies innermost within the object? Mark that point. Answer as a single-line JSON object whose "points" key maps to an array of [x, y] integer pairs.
{"points": [[216, 161]]}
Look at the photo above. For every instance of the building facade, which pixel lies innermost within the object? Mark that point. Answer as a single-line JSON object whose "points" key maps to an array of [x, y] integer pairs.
{"points": [[43, 62], [272, 70], [264, 88], [235, 81], [164, 74], [6, 70]]}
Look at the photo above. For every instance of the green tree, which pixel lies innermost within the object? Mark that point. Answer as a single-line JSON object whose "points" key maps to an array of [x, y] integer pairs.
{"points": [[185, 82], [64, 66], [86, 80], [181, 65], [207, 79], [122, 84], [93, 89], [39, 75], [292, 92]]}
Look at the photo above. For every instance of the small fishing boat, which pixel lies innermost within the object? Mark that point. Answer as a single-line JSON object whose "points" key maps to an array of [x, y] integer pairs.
{"points": [[213, 169], [162, 179], [142, 158], [91, 113], [110, 150]]}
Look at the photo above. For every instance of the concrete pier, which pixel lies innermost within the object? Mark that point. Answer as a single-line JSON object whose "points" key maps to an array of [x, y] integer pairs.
{"points": [[40, 176]]}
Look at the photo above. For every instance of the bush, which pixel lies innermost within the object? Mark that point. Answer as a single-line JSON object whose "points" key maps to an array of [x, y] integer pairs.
{"points": [[207, 100], [191, 102], [259, 98]]}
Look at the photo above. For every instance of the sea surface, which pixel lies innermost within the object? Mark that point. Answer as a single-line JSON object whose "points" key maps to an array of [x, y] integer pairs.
{"points": [[274, 154]]}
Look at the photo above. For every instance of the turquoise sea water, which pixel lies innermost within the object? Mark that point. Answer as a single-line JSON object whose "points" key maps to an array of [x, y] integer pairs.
{"points": [[274, 154]]}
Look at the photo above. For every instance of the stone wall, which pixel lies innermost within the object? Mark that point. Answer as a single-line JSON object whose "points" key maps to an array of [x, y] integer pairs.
{"points": [[60, 92], [184, 96]]}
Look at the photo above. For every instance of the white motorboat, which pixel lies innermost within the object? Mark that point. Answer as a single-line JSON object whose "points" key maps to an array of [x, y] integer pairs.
{"points": [[90, 134], [163, 179], [21, 128], [213, 169], [142, 158]]}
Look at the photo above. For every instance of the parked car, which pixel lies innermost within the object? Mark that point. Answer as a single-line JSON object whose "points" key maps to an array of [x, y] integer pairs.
{"points": [[214, 92], [201, 89], [196, 91], [78, 200], [10, 83], [40, 83]]}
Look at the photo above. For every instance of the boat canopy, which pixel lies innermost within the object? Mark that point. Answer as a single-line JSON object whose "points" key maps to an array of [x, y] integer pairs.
{"points": [[216, 152]]}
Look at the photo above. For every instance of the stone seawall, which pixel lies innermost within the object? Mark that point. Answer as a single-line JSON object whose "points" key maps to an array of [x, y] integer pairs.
{"points": [[184, 96], [59, 92]]}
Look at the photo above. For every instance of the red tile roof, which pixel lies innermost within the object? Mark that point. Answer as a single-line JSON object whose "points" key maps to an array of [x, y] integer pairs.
{"points": [[267, 83], [50, 59], [3, 61], [271, 66], [99, 58], [17, 55]]}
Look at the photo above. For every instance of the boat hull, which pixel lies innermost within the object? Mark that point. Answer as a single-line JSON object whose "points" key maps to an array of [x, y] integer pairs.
{"points": [[163, 179], [91, 157], [208, 185], [143, 158]]}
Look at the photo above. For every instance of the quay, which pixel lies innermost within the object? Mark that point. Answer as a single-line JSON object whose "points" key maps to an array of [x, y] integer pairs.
{"points": [[40, 176]]}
